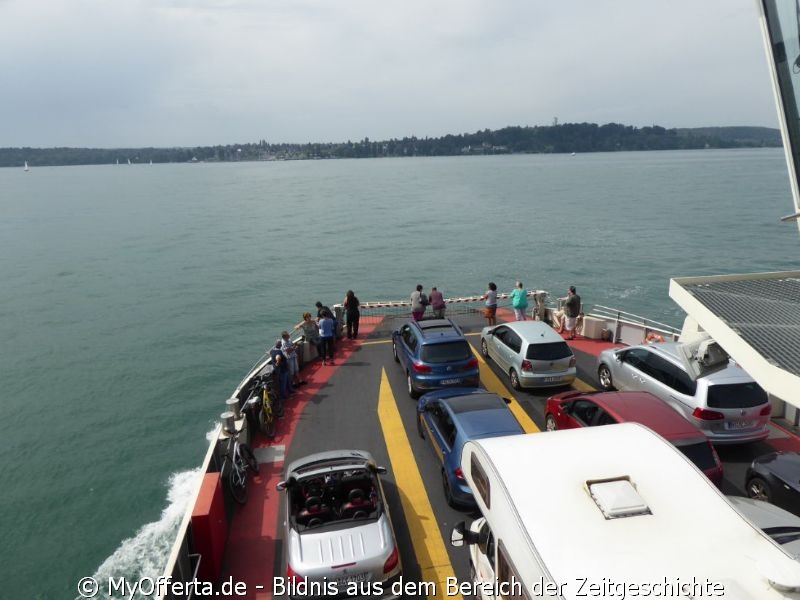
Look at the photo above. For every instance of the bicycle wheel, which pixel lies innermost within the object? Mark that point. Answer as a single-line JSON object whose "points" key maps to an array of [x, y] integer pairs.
{"points": [[237, 484], [249, 457], [266, 423], [274, 402]]}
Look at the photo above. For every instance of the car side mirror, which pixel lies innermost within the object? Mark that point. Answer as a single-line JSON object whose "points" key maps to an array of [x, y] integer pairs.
{"points": [[461, 535], [380, 470], [507, 400], [457, 535], [280, 486]]}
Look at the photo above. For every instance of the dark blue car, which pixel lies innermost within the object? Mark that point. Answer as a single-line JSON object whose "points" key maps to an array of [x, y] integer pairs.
{"points": [[449, 418], [434, 354]]}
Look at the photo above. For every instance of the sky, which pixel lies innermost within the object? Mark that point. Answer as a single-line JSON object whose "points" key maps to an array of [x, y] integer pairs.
{"points": [[165, 73]]}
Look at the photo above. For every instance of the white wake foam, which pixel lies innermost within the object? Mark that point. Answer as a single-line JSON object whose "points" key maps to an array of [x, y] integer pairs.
{"points": [[145, 554]]}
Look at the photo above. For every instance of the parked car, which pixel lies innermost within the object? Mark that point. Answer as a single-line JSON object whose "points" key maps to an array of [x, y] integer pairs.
{"points": [[337, 526], [782, 526], [727, 405], [775, 478], [588, 409], [434, 354], [450, 418], [531, 352]]}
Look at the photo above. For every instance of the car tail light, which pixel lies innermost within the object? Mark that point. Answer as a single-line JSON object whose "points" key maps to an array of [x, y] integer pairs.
{"points": [[458, 473], [420, 368], [391, 562], [290, 574], [717, 461], [527, 366], [472, 364], [573, 361], [707, 415], [766, 411]]}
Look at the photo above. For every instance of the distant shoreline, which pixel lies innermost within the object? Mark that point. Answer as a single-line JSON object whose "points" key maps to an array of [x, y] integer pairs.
{"points": [[563, 138]]}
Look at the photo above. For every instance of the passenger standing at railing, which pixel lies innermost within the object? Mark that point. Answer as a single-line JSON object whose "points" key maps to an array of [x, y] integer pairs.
{"points": [[310, 331], [280, 365], [437, 303], [290, 351], [572, 309], [322, 311], [327, 329], [418, 303], [351, 309], [491, 304], [519, 301]]}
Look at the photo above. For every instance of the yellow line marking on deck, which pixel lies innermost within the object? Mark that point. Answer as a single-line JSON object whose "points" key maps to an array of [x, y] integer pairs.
{"points": [[492, 383], [373, 342], [434, 563], [582, 386]]}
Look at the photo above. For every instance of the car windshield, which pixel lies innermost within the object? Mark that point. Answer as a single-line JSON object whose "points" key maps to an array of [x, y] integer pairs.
{"points": [[736, 395], [700, 454], [445, 353], [549, 351]]}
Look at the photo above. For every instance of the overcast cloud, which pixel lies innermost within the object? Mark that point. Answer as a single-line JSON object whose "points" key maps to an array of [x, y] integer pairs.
{"points": [[203, 72]]}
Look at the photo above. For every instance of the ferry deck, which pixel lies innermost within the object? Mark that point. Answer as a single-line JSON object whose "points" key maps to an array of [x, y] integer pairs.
{"points": [[361, 402]]}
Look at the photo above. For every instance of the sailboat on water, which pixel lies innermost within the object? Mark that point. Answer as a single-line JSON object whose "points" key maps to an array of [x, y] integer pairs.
{"points": [[26, 169]]}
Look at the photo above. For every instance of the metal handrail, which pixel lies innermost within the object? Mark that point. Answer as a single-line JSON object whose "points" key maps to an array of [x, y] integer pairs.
{"points": [[607, 312]]}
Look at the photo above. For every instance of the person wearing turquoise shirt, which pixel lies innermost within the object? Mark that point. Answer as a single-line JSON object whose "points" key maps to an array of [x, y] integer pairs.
{"points": [[519, 301]]}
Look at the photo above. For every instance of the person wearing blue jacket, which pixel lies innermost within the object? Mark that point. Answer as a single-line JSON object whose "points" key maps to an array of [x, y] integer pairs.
{"points": [[327, 331]]}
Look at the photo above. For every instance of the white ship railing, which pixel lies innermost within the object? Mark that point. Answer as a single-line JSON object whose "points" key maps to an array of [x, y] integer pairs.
{"points": [[629, 328]]}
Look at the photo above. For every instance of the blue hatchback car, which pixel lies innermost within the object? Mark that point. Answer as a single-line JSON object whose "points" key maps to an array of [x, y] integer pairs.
{"points": [[449, 418], [434, 354]]}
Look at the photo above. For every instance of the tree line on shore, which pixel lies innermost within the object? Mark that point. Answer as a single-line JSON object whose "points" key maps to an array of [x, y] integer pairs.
{"points": [[561, 138]]}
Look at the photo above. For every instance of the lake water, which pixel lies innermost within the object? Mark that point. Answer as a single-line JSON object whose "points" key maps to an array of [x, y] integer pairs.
{"points": [[133, 299]]}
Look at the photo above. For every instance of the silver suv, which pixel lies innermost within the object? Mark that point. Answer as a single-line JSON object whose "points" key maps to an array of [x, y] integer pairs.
{"points": [[727, 405]]}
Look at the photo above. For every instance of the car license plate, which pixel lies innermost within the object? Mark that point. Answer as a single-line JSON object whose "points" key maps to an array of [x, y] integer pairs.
{"points": [[551, 379], [739, 424], [357, 578], [450, 381]]}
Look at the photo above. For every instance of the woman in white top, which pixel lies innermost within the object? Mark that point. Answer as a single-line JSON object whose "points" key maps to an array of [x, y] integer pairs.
{"points": [[491, 304]]}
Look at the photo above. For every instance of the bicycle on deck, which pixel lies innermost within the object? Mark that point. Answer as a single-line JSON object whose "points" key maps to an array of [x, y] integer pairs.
{"points": [[240, 458], [264, 399]]}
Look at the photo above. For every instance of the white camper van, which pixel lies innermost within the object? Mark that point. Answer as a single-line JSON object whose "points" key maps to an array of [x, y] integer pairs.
{"points": [[614, 512]]}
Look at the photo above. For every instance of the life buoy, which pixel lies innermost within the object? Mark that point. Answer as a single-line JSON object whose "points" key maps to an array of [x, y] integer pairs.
{"points": [[653, 337]]}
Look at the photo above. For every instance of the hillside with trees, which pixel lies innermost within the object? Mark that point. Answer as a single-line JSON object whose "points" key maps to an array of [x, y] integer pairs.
{"points": [[560, 138]]}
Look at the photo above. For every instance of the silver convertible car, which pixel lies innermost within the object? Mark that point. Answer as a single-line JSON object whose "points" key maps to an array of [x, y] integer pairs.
{"points": [[727, 405], [338, 535]]}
